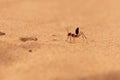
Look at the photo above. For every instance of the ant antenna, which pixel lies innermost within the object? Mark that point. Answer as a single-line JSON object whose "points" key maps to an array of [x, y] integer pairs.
{"points": [[67, 29]]}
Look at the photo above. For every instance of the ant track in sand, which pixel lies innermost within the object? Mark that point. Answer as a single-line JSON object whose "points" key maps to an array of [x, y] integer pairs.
{"points": [[2, 33], [24, 39]]}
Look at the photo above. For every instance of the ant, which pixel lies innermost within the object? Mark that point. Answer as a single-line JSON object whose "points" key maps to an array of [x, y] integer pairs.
{"points": [[76, 34]]}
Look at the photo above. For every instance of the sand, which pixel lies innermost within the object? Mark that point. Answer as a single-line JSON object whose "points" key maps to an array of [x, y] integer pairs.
{"points": [[46, 55]]}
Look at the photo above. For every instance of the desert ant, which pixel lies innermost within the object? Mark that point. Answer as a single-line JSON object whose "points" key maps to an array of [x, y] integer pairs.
{"points": [[76, 34]]}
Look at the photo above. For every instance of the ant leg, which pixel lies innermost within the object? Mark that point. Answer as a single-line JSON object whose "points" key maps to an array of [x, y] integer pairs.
{"points": [[70, 39], [73, 39], [67, 38], [83, 36]]}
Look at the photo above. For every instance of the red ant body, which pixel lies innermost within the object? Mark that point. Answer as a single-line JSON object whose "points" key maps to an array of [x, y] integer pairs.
{"points": [[76, 34]]}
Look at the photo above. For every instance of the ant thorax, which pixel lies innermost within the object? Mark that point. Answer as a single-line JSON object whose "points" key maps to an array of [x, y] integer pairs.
{"points": [[72, 34]]}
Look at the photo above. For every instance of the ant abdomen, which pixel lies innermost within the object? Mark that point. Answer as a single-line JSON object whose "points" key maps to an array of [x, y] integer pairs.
{"points": [[77, 31]]}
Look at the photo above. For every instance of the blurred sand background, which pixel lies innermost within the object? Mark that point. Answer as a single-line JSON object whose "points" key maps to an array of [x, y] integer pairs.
{"points": [[52, 58]]}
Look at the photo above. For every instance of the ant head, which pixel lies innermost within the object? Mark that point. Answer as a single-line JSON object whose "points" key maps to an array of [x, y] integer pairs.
{"points": [[69, 34]]}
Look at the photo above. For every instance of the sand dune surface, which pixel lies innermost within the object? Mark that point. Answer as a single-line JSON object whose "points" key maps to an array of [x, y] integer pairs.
{"points": [[34, 46]]}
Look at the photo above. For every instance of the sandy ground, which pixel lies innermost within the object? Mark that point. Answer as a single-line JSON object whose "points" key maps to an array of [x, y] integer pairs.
{"points": [[51, 57]]}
